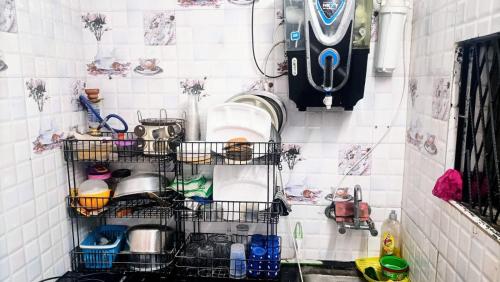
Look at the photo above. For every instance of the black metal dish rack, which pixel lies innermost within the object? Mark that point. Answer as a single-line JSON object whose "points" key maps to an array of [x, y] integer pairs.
{"points": [[194, 157], [88, 213], [182, 159]]}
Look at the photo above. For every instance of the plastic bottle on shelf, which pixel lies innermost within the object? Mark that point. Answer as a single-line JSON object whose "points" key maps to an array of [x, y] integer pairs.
{"points": [[390, 240]]}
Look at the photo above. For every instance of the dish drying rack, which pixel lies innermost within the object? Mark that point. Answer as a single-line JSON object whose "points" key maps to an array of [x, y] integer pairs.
{"points": [[110, 150], [195, 217], [188, 158]]}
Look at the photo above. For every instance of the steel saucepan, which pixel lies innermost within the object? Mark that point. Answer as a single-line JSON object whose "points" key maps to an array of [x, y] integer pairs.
{"points": [[150, 238], [148, 246]]}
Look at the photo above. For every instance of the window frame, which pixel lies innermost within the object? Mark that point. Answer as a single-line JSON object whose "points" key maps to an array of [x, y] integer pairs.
{"points": [[473, 120]]}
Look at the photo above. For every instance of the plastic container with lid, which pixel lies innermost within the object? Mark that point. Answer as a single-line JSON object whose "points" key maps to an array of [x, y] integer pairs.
{"points": [[390, 241], [238, 267], [93, 194]]}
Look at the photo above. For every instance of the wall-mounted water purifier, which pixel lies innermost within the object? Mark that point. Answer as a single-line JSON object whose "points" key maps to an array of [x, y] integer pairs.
{"points": [[327, 46]]}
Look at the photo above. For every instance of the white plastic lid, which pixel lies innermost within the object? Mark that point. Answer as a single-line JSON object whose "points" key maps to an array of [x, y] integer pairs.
{"points": [[238, 248], [92, 186]]}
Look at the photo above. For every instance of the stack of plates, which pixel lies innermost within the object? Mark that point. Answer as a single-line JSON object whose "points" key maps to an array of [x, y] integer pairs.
{"points": [[195, 153], [266, 101], [234, 120], [241, 183]]}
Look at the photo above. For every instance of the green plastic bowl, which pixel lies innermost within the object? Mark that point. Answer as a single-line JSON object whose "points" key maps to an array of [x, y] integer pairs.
{"points": [[394, 268]]}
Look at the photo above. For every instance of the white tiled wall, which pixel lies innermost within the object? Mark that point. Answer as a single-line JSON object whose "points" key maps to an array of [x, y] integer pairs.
{"points": [[440, 242], [215, 42], [34, 230]]}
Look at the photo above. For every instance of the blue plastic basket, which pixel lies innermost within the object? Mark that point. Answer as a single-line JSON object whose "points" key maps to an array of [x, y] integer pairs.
{"points": [[102, 256]]}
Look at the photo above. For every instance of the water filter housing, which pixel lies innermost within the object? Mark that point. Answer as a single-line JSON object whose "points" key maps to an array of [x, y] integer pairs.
{"points": [[327, 46], [392, 17]]}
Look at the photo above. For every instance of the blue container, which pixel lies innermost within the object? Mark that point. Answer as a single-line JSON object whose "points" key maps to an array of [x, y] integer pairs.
{"points": [[272, 274], [256, 262], [102, 256], [258, 240], [273, 247], [264, 258], [273, 255]]}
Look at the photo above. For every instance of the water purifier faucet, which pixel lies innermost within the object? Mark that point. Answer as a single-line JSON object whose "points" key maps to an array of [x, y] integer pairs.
{"points": [[328, 82], [328, 74]]}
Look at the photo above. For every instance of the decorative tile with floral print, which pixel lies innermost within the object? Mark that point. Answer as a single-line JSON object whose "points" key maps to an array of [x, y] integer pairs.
{"points": [[261, 84], [159, 28], [148, 67], [105, 62], [441, 99], [195, 87], [414, 135], [37, 92], [303, 194], [413, 90], [282, 67], [49, 138], [8, 17], [290, 154], [78, 89], [95, 23], [353, 159], [430, 144], [117, 68], [3, 64], [200, 3]]}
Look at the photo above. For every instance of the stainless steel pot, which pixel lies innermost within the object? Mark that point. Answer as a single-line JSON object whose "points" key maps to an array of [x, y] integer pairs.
{"points": [[159, 132], [150, 238], [150, 246]]}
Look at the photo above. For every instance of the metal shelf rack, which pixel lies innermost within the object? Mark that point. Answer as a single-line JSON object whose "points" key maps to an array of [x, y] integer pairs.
{"points": [[193, 215], [87, 213]]}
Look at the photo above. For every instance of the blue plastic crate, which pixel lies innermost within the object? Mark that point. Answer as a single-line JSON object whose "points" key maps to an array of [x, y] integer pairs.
{"points": [[102, 256]]}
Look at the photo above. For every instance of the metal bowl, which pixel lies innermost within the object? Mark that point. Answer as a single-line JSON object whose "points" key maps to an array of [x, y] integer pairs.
{"points": [[138, 184], [150, 238], [278, 106], [148, 244]]}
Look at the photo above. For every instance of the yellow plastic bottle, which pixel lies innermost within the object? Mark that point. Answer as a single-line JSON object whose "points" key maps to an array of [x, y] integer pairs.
{"points": [[390, 240]]}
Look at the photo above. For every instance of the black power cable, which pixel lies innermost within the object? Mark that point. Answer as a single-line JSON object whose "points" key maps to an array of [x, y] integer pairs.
{"points": [[253, 49]]}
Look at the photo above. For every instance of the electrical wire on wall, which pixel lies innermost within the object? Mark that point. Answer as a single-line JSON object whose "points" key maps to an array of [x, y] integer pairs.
{"points": [[263, 72]]}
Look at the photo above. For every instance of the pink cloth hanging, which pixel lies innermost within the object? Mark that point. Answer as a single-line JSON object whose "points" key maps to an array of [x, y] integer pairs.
{"points": [[449, 186]]}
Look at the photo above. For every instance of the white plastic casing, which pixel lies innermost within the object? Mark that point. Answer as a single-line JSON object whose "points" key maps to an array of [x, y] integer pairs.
{"points": [[392, 17]]}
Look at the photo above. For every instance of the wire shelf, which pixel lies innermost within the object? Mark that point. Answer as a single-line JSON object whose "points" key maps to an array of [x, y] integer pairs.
{"points": [[128, 149], [123, 261], [229, 153], [120, 208], [208, 255], [232, 211]]}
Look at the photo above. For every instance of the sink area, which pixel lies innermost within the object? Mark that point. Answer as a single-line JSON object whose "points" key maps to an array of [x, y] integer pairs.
{"points": [[330, 278], [327, 271]]}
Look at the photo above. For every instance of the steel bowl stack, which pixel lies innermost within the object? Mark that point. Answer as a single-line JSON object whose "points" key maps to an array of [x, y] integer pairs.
{"points": [[266, 101]]}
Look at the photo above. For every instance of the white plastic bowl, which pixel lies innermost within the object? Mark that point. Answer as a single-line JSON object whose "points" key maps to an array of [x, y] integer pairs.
{"points": [[230, 120]]}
